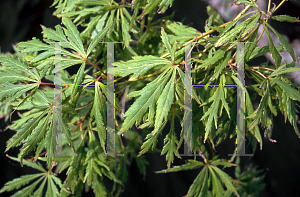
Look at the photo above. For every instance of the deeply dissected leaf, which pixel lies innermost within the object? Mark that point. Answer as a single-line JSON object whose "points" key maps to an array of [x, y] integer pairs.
{"points": [[283, 42], [291, 92], [149, 96], [24, 132], [285, 18], [166, 40], [138, 66], [200, 184], [217, 188], [225, 179], [170, 146], [276, 56], [11, 77], [164, 102], [97, 39], [73, 36]]}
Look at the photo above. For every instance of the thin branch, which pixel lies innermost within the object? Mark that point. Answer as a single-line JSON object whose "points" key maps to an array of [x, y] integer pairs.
{"points": [[81, 121], [95, 66], [259, 73], [263, 68], [210, 31], [79, 108]]}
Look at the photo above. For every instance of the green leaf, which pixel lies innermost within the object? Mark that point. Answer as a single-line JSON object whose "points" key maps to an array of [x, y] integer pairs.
{"points": [[222, 162], [164, 102], [139, 66], [37, 135], [217, 188], [97, 39], [19, 182], [291, 92], [24, 132], [276, 56], [73, 36], [225, 179], [212, 112], [200, 184], [281, 71], [76, 89], [217, 20], [170, 146], [218, 55], [285, 18], [149, 96], [249, 110], [67, 133], [259, 51], [52, 190], [27, 191], [12, 63], [166, 41], [150, 6], [31, 164], [191, 165], [125, 28], [151, 141], [283, 42], [11, 77], [99, 107]]}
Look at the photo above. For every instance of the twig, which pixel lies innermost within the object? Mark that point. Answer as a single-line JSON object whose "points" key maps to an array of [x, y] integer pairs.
{"points": [[81, 121], [210, 31], [263, 68], [84, 106], [95, 66]]}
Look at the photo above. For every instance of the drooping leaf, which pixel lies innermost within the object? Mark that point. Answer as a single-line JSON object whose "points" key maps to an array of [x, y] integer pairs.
{"points": [[225, 179], [149, 96], [283, 42], [164, 102], [276, 56], [170, 146]]}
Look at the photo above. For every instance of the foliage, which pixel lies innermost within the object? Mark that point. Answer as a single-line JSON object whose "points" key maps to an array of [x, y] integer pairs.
{"points": [[150, 67]]}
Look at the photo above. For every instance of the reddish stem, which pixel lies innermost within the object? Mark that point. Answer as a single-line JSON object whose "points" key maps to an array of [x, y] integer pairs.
{"points": [[95, 66]]}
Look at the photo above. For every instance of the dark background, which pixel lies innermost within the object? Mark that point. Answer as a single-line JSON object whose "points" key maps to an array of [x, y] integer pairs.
{"points": [[20, 21]]}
